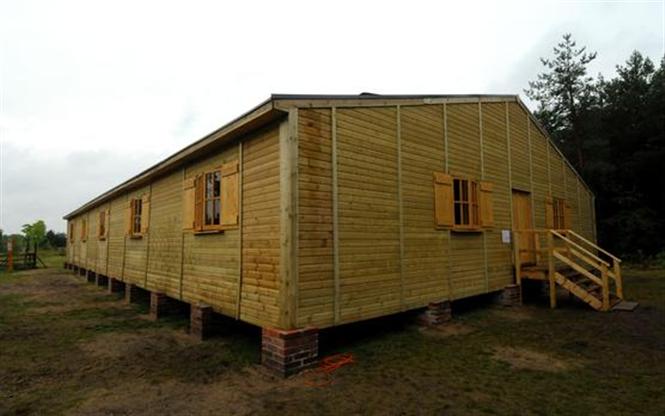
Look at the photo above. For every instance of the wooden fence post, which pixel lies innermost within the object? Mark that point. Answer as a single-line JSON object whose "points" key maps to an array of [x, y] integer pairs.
{"points": [[10, 255]]}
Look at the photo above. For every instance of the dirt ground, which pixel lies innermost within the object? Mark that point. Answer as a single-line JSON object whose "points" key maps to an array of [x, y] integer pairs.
{"points": [[68, 347]]}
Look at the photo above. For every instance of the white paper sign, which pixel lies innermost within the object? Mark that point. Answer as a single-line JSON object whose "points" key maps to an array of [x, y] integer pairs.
{"points": [[505, 236]]}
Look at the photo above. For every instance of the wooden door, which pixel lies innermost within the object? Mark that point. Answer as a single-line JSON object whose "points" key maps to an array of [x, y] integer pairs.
{"points": [[522, 220]]}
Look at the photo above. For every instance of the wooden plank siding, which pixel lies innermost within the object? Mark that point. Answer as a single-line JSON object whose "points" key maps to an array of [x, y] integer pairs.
{"points": [[261, 229], [391, 257], [315, 225]]}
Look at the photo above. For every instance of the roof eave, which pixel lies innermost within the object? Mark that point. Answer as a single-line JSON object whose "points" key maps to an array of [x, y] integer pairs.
{"points": [[255, 118]]}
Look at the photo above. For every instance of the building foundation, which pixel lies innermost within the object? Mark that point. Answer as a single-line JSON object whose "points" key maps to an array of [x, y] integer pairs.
{"points": [[437, 313], [289, 352], [161, 305], [511, 295], [115, 285]]}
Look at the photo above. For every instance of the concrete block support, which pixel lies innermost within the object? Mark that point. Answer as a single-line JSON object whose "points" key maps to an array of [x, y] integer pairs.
{"points": [[202, 322], [511, 295], [132, 293], [437, 313], [161, 305], [115, 286], [289, 352]]}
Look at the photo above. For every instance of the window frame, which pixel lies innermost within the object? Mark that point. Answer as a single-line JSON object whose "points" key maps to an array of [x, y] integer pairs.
{"points": [[84, 229], [101, 226], [205, 198], [469, 201], [135, 205], [558, 213]]}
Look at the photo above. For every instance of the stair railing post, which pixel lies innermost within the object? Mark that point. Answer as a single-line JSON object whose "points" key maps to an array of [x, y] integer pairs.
{"points": [[550, 269], [606, 287], [617, 278]]}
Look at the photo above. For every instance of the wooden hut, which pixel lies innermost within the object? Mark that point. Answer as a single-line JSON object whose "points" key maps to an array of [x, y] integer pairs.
{"points": [[314, 211]]}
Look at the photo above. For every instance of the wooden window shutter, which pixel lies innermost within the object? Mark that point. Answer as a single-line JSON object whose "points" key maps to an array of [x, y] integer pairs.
{"points": [[229, 193], [107, 223], [198, 203], [145, 213], [128, 217], [443, 199], [188, 189], [486, 208], [567, 217], [549, 212]]}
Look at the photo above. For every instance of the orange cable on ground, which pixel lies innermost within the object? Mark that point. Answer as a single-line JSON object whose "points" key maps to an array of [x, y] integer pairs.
{"points": [[329, 365]]}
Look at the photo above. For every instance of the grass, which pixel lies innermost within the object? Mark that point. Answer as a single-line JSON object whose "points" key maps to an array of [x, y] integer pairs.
{"points": [[67, 347]]}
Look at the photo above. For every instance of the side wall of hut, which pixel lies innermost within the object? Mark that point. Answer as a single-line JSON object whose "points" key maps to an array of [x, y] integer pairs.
{"points": [[367, 242]]}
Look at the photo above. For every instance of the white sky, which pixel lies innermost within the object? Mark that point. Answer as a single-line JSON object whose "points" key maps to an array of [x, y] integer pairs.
{"points": [[93, 92]]}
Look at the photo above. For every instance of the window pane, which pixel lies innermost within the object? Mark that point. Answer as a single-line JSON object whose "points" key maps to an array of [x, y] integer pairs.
{"points": [[216, 186], [209, 185], [209, 212], [465, 214], [458, 214], [465, 190], [216, 211], [456, 186]]}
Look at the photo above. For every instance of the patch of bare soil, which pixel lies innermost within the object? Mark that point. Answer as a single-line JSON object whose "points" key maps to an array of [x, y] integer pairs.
{"points": [[448, 329], [517, 314], [524, 359], [117, 345]]}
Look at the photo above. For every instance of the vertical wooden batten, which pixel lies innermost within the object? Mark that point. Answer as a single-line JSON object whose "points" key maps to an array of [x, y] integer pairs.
{"points": [[530, 147], [239, 285], [147, 240], [335, 217], [182, 243], [400, 207], [482, 178], [446, 167], [288, 168]]}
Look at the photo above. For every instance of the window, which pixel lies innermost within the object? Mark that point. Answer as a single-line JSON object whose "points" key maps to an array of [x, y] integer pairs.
{"points": [[212, 202], [462, 204], [214, 199], [71, 233], [466, 209], [84, 229], [102, 225], [136, 208], [559, 213]]}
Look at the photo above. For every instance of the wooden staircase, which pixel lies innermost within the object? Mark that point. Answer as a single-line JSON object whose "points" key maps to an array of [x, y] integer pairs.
{"points": [[566, 259]]}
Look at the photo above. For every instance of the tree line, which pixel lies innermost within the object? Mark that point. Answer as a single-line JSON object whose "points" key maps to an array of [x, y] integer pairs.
{"points": [[613, 132]]}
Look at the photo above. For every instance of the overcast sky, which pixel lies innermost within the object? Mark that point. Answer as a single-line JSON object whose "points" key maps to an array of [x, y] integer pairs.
{"points": [[92, 92]]}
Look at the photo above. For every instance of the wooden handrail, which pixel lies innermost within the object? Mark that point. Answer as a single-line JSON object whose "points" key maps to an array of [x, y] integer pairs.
{"points": [[577, 268], [590, 254], [595, 246]]}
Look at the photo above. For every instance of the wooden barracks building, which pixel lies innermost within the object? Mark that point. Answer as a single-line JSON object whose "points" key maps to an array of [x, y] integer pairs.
{"points": [[314, 211]]}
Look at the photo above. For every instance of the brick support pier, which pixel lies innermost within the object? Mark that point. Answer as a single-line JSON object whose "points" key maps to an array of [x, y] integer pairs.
{"points": [[82, 272], [161, 305], [202, 322], [132, 293], [511, 295], [101, 280], [437, 313], [115, 286], [289, 352], [90, 276]]}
